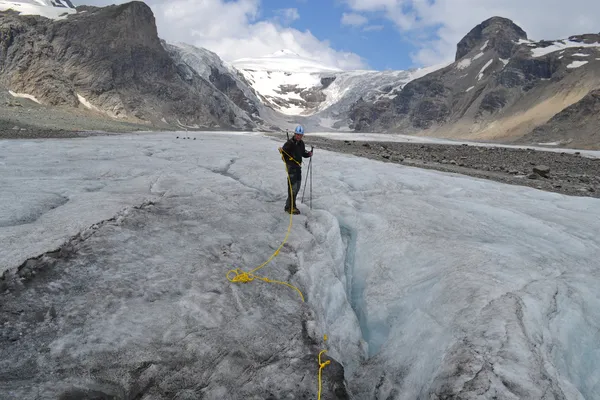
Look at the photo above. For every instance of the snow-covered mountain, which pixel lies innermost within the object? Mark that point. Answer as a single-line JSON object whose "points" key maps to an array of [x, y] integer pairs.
{"points": [[286, 81], [316, 94], [55, 9]]}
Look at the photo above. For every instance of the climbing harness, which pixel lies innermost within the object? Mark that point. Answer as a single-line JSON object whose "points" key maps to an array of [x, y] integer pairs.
{"points": [[237, 275]]}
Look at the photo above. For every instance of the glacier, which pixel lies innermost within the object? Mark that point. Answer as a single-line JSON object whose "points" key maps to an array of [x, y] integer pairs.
{"points": [[427, 285], [54, 9], [319, 96]]}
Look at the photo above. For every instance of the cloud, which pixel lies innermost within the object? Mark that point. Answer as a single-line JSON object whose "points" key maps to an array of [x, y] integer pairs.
{"points": [[236, 29], [354, 19], [445, 22], [287, 15], [371, 28]]}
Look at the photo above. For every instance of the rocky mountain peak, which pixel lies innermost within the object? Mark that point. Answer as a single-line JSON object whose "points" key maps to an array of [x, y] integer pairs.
{"points": [[111, 61], [500, 34]]}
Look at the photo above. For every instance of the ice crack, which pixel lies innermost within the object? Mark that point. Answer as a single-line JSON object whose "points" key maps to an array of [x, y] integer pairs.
{"points": [[355, 287]]}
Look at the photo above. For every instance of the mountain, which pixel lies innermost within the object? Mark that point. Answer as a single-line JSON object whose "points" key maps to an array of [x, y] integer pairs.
{"points": [[223, 78], [582, 118], [285, 81], [501, 86], [116, 67], [110, 63], [317, 95]]}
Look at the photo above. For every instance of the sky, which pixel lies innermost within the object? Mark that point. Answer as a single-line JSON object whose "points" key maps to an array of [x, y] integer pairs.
{"points": [[357, 34]]}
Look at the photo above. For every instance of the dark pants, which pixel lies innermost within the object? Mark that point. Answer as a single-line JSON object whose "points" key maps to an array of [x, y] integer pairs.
{"points": [[296, 179]]}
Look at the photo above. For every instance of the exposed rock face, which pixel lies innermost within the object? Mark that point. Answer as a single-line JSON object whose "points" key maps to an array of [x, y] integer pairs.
{"points": [[210, 67], [112, 59], [501, 87], [582, 117], [501, 33]]}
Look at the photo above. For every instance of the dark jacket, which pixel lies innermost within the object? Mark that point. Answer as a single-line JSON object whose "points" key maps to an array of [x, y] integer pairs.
{"points": [[297, 150]]}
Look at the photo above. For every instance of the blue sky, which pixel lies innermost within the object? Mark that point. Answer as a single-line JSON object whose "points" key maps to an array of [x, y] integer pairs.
{"points": [[377, 41], [357, 34]]}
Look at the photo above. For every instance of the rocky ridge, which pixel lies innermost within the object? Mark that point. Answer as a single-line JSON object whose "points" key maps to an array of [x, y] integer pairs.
{"points": [[116, 68], [500, 87]]}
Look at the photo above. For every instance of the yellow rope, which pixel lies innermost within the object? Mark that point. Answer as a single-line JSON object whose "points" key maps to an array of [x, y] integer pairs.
{"points": [[290, 157], [321, 366], [244, 277]]}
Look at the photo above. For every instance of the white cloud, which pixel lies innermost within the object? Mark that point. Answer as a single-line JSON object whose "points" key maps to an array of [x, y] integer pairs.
{"points": [[287, 15], [354, 19], [445, 22], [371, 28], [236, 29]]}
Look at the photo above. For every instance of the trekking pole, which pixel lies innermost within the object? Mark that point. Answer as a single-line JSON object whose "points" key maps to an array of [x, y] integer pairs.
{"points": [[307, 174], [306, 180], [311, 181], [310, 198]]}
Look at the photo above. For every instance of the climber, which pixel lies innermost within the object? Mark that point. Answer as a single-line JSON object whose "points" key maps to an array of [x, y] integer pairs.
{"points": [[293, 152]]}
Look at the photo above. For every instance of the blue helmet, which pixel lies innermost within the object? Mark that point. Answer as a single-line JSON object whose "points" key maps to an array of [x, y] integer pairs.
{"points": [[299, 130]]}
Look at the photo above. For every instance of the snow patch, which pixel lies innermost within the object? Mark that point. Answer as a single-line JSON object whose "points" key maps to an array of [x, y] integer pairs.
{"points": [[577, 64], [580, 55], [184, 126], [330, 122], [86, 103], [469, 89], [504, 61], [24, 96], [487, 64], [420, 72], [462, 64], [485, 45], [478, 56], [560, 45]]}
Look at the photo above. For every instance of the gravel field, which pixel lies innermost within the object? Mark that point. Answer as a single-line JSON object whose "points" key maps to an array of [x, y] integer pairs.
{"points": [[561, 172]]}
